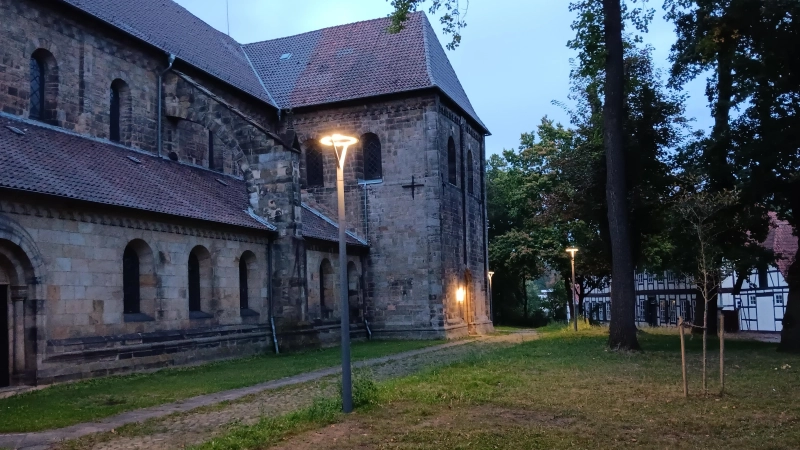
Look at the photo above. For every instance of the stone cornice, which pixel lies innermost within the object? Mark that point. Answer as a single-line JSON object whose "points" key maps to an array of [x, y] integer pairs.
{"points": [[350, 112], [114, 220]]}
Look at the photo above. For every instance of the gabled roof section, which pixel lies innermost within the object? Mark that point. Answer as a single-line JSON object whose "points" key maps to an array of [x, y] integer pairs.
{"points": [[319, 226], [168, 26], [782, 242], [47, 160], [356, 60]]}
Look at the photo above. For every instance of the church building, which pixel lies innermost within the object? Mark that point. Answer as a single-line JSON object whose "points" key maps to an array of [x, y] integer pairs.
{"points": [[165, 199]]}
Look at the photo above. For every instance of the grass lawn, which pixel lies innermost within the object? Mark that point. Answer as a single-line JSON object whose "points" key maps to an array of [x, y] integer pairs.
{"points": [[71, 403], [564, 391]]}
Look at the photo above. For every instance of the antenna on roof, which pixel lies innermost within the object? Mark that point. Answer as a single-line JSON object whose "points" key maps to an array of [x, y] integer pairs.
{"points": [[228, 16]]}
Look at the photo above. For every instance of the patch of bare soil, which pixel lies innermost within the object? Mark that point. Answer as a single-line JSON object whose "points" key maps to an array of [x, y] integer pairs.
{"points": [[385, 427]]}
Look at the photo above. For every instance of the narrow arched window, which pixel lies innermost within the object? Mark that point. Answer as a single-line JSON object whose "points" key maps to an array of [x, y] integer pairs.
{"points": [[452, 170], [315, 175], [371, 155], [131, 298], [38, 76], [194, 282], [244, 301], [114, 132], [470, 172], [327, 294]]}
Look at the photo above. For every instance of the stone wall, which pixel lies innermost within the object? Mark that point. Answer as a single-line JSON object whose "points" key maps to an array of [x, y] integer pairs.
{"points": [[403, 271], [84, 330], [322, 265], [86, 57]]}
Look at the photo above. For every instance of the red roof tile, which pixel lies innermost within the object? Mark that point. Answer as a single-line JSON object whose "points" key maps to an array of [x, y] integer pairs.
{"points": [[51, 161], [782, 242], [318, 226], [354, 61], [168, 26]]}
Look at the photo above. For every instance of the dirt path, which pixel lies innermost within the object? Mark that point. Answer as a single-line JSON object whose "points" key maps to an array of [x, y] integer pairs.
{"points": [[198, 419]]}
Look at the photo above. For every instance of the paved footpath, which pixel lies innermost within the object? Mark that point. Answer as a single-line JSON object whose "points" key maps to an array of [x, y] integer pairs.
{"points": [[176, 425]]}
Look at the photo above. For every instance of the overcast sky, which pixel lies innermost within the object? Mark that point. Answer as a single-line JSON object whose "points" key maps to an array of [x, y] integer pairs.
{"points": [[513, 60]]}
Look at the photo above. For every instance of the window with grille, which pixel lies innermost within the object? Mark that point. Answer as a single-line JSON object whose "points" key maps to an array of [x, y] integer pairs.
{"points": [[38, 73], [114, 133], [452, 170], [371, 155], [130, 281], [470, 173], [314, 167]]}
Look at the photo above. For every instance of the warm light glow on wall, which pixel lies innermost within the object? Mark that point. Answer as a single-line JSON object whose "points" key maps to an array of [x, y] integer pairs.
{"points": [[460, 295]]}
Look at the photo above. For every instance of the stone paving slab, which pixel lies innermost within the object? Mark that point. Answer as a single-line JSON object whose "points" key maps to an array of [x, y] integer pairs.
{"points": [[44, 439]]}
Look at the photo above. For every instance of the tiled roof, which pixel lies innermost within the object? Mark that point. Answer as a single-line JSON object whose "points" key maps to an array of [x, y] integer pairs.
{"points": [[354, 61], [51, 161], [318, 226], [782, 242], [171, 28]]}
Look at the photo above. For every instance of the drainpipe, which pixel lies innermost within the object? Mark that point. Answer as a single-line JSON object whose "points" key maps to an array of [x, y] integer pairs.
{"points": [[270, 293], [159, 138]]}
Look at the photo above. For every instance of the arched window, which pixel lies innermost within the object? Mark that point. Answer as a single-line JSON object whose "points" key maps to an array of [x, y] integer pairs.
{"points": [[139, 283], [326, 289], [248, 281], [199, 283], [194, 282], [470, 171], [354, 292], [371, 155], [38, 77], [119, 109], [131, 294], [452, 170], [315, 175]]}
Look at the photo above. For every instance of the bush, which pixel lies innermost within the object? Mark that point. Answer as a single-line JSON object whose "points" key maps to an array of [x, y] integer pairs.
{"points": [[365, 390]]}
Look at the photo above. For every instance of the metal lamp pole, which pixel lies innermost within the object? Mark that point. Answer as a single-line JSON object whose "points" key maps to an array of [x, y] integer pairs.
{"points": [[572, 252], [342, 142]]}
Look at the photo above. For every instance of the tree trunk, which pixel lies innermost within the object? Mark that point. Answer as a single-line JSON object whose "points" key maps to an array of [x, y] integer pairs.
{"points": [[525, 296], [790, 335], [717, 152], [622, 332]]}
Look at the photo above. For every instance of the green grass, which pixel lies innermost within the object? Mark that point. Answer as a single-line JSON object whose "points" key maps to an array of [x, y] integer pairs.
{"points": [[566, 390], [71, 403]]}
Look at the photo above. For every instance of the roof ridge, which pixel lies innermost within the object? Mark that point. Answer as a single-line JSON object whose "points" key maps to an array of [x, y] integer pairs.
{"points": [[415, 13], [426, 22]]}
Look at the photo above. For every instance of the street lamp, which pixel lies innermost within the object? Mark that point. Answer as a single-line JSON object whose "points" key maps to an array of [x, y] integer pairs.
{"points": [[340, 143], [572, 251]]}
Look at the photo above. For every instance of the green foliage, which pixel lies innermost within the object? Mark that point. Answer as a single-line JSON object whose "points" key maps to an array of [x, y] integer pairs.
{"points": [[67, 404], [452, 18], [365, 389]]}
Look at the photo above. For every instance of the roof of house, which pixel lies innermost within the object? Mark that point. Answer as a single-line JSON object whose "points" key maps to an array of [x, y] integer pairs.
{"points": [[782, 242], [168, 26], [319, 226], [52, 161], [357, 60]]}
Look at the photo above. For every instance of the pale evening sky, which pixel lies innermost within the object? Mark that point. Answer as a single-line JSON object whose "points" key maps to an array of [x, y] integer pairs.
{"points": [[513, 60]]}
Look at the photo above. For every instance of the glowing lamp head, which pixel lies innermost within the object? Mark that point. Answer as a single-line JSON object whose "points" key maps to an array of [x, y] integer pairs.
{"points": [[460, 294], [572, 251], [339, 141]]}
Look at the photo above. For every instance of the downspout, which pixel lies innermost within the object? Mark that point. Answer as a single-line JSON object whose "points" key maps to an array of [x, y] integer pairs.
{"points": [[159, 137]]}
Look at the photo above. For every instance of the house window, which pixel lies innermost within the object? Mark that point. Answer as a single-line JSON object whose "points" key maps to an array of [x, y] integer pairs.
{"points": [[131, 294], [470, 171], [452, 170], [314, 166], [371, 155], [38, 74], [779, 299], [752, 299]]}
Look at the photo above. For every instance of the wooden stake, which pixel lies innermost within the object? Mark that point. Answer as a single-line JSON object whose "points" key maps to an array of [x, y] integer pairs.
{"points": [[721, 354], [683, 358]]}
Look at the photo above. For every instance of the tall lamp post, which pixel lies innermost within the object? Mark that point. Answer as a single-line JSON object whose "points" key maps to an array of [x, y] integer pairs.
{"points": [[340, 143], [491, 298], [572, 251]]}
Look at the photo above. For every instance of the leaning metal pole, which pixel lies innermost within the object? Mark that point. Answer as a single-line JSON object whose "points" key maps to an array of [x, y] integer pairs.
{"points": [[347, 394], [574, 305]]}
